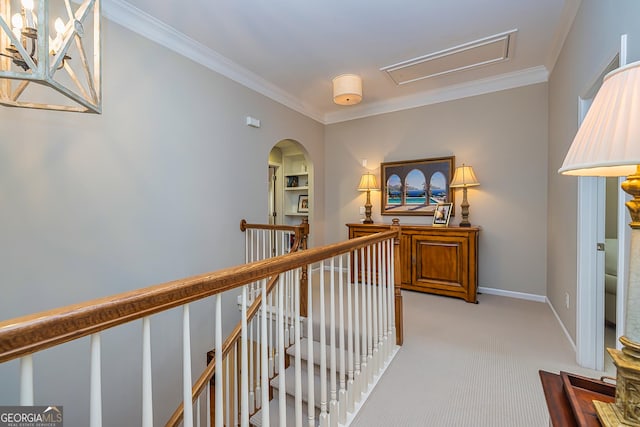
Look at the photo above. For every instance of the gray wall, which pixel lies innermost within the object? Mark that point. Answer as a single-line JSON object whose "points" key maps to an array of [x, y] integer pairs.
{"points": [[150, 191], [592, 43], [503, 135]]}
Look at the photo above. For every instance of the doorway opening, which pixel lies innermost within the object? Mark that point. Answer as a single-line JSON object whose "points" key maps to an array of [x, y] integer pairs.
{"points": [[601, 253], [291, 184]]}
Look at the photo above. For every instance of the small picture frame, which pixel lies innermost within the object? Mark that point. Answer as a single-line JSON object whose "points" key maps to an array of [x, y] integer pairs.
{"points": [[303, 203], [292, 181], [441, 214]]}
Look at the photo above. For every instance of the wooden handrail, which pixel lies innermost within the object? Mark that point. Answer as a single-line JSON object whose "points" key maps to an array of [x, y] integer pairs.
{"points": [[244, 225], [301, 231], [35, 332]]}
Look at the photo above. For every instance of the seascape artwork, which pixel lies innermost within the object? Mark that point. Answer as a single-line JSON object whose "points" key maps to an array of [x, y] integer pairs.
{"points": [[415, 188]]}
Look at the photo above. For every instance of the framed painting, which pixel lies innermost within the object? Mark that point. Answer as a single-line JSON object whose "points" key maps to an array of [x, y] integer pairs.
{"points": [[416, 187]]}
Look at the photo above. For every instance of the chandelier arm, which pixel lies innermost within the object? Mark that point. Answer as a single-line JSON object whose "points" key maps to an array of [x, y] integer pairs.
{"points": [[21, 87], [83, 12], [85, 68], [16, 43], [73, 76], [70, 14], [86, 102]]}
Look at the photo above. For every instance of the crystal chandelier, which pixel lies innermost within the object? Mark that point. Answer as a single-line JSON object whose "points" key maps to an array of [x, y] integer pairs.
{"points": [[56, 44]]}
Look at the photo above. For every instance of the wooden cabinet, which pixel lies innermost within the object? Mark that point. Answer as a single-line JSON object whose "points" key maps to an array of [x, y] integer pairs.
{"points": [[439, 260]]}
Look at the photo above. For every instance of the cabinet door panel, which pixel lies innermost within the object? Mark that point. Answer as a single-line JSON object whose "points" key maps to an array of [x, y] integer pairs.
{"points": [[440, 263]]}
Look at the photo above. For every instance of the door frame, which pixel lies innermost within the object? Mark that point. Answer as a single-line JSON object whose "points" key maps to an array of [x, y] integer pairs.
{"points": [[590, 262]]}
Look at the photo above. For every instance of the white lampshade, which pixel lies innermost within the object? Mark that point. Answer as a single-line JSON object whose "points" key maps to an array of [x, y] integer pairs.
{"points": [[608, 141], [347, 89], [368, 182], [464, 177]]}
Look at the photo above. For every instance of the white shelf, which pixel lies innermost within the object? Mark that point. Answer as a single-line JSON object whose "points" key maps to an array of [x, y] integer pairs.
{"points": [[296, 173], [301, 188], [297, 213]]}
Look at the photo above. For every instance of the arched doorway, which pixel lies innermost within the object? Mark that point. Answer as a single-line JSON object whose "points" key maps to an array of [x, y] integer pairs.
{"points": [[290, 183]]}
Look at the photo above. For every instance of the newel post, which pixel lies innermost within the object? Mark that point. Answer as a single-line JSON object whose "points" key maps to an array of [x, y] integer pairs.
{"points": [[397, 280]]}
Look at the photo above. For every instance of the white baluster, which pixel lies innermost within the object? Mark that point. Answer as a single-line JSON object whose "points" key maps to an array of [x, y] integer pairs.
{"points": [[364, 362], [370, 365], [264, 349], [323, 353], [251, 349], [234, 386], [333, 402], [271, 346], [95, 412], [275, 307], [26, 380], [198, 412], [374, 308], [208, 406], [311, 413], [350, 349], [218, 355], [342, 395], [244, 362], [383, 294], [147, 389], [227, 390], [285, 306], [258, 359], [356, 336], [282, 393], [392, 296], [298, 358], [186, 367]]}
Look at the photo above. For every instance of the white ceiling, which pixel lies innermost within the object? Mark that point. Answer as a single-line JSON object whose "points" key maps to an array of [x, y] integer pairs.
{"points": [[290, 50]]}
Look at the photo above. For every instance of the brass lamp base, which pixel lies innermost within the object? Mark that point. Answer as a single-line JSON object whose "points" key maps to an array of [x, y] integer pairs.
{"points": [[609, 414], [626, 410]]}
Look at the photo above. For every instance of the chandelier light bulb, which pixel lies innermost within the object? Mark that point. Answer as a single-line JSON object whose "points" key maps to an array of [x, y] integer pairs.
{"points": [[59, 26], [28, 13], [16, 21]]}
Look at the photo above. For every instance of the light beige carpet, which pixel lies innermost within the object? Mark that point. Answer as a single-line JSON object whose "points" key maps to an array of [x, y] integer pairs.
{"points": [[470, 365]]}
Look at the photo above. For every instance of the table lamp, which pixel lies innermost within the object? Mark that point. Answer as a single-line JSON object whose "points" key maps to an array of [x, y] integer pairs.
{"points": [[608, 144], [368, 182], [463, 178]]}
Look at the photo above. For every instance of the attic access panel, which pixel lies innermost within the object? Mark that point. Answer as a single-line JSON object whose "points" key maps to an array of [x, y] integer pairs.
{"points": [[481, 52]]}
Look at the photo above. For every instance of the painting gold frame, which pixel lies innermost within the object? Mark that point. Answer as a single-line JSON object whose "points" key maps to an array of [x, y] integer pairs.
{"points": [[416, 187]]}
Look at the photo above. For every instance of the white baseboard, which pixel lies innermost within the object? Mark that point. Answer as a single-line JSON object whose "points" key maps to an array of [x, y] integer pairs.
{"points": [[530, 297], [512, 294], [566, 333]]}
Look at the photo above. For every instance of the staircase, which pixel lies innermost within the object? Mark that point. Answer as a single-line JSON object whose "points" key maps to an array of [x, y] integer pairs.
{"points": [[337, 391]]}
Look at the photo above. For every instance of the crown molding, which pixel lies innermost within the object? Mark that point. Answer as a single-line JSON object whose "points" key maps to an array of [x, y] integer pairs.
{"points": [[134, 19], [526, 77]]}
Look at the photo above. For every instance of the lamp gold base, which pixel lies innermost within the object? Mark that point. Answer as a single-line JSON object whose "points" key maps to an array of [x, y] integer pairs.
{"points": [[609, 414], [626, 409]]}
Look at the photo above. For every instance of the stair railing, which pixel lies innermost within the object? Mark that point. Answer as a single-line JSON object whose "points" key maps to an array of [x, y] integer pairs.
{"points": [[283, 321], [24, 336]]}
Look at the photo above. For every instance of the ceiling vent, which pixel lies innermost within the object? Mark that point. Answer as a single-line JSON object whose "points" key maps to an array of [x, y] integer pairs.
{"points": [[488, 50]]}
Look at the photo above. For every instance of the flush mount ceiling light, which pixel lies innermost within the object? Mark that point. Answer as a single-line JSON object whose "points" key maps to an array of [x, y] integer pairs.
{"points": [[347, 89], [56, 44]]}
